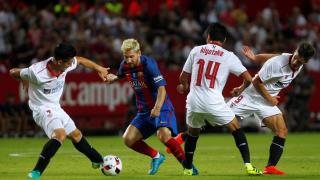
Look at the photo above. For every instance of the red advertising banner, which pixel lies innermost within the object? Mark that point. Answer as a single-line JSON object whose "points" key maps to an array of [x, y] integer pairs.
{"points": [[86, 97]]}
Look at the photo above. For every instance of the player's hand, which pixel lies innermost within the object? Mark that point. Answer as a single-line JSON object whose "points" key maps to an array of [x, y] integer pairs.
{"points": [[155, 112], [247, 52], [103, 73], [110, 78], [236, 91], [274, 100], [181, 89]]}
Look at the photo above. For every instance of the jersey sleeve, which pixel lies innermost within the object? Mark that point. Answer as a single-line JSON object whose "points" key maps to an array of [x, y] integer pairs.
{"points": [[28, 74], [74, 65], [188, 64], [270, 70], [155, 73], [120, 72], [236, 66]]}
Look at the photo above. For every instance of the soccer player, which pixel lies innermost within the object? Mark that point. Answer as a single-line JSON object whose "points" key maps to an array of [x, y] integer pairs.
{"points": [[46, 81], [155, 110], [260, 98], [209, 66]]}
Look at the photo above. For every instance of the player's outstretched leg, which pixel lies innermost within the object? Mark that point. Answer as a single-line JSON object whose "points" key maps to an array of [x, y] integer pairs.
{"points": [[277, 124], [178, 152], [173, 144], [133, 139], [157, 158], [242, 144], [82, 145], [176, 149], [276, 150], [164, 135], [190, 147], [180, 138], [155, 163], [48, 151]]}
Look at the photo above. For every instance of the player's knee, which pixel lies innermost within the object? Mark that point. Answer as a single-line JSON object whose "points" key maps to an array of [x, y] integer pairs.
{"points": [[76, 135], [282, 132], [60, 136], [164, 136], [127, 140]]}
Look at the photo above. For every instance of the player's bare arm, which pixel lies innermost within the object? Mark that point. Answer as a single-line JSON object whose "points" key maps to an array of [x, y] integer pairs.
{"points": [[102, 71], [15, 73], [184, 82], [259, 58], [257, 83], [247, 79], [160, 99]]}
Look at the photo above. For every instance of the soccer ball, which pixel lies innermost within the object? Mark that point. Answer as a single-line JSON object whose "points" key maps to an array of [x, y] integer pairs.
{"points": [[112, 165]]}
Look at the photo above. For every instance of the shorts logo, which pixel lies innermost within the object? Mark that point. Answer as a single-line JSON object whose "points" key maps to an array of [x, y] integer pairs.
{"points": [[163, 121]]}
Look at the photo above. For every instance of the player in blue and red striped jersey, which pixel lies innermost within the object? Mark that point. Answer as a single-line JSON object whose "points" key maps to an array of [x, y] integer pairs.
{"points": [[155, 110]]}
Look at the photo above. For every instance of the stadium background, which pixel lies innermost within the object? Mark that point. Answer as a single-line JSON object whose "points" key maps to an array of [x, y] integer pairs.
{"points": [[167, 30]]}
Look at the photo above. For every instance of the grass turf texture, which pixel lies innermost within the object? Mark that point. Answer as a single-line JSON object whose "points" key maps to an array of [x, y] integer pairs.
{"points": [[216, 158]]}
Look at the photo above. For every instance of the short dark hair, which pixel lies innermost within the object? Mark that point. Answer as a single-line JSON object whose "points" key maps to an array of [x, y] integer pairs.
{"points": [[217, 32], [64, 52], [306, 51]]}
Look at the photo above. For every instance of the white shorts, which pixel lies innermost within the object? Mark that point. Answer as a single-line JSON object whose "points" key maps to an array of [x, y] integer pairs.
{"points": [[51, 118], [214, 116], [244, 106]]}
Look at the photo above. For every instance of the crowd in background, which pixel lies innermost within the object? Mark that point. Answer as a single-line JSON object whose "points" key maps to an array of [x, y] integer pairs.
{"points": [[29, 31]]}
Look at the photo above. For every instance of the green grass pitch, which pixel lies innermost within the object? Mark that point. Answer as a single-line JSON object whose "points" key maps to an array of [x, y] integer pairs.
{"points": [[216, 158]]}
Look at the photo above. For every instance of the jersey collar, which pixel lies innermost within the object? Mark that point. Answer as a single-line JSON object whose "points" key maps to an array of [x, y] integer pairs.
{"points": [[218, 43], [51, 71]]}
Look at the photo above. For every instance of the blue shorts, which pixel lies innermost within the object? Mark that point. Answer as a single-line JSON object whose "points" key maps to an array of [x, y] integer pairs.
{"points": [[148, 126]]}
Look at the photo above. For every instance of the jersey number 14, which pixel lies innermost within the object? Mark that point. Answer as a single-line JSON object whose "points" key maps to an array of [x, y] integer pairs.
{"points": [[210, 74]]}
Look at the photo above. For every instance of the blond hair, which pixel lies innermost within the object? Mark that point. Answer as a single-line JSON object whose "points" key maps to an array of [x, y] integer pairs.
{"points": [[130, 44]]}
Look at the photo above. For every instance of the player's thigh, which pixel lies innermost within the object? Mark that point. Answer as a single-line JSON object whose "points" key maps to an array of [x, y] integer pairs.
{"points": [[49, 120], [67, 122], [132, 135]]}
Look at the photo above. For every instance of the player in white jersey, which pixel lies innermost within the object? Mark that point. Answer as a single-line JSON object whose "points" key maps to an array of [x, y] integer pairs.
{"points": [[209, 66], [260, 98], [45, 86]]}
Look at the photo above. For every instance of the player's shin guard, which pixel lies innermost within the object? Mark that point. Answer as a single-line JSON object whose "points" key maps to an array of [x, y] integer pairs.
{"points": [[276, 150], [48, 151], [189, 147], [176, 149], [84, 147], [143, 148], [242, 144]]}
